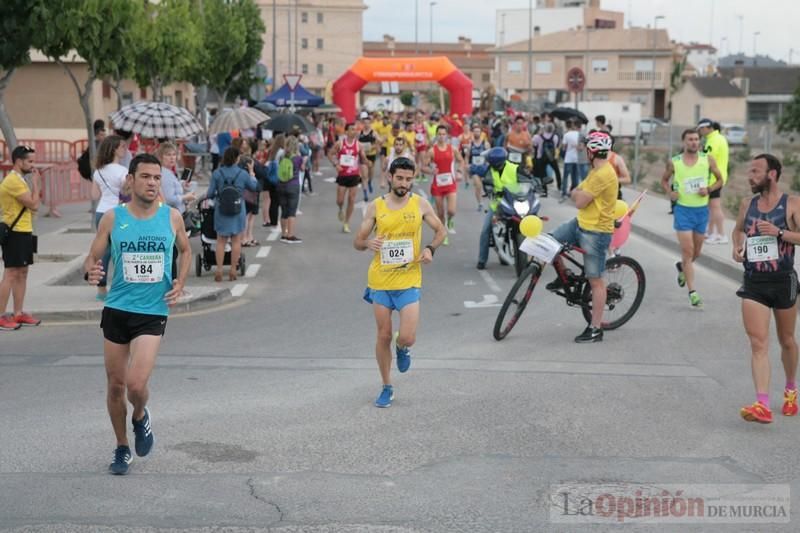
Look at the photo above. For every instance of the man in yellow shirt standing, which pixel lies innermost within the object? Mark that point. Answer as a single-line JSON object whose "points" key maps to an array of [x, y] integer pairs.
{"points": [[18, 202], [595, 198]]}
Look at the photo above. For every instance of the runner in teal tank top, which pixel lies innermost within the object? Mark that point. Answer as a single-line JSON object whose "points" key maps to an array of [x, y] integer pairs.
{"points": [[142, 235]]}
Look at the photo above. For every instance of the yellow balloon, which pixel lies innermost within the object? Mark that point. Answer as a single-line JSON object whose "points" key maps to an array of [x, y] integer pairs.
{"points": [[531, 226], [620, 209]]}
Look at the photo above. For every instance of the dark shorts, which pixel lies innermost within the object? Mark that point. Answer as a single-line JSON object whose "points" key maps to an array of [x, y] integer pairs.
{"points": [[372, 157], [715, 194], [18, 250], [348, 181], [779, 292], [383, 151], [121, 327], [251, 209], [288, 199]]}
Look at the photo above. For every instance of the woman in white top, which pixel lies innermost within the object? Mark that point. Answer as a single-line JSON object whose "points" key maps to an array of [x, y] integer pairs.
{"points": [[108, 183]]}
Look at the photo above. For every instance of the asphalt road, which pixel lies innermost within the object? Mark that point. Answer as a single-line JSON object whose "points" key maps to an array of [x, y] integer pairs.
{"points": [[263, 416]]}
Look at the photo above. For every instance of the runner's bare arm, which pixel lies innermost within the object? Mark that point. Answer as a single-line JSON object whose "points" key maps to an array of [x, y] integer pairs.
{"points": [[184, 257], [430, 218], [712, 164], [669, 170], [362, 241], [94, 261], [737, 236], [622, 169]]}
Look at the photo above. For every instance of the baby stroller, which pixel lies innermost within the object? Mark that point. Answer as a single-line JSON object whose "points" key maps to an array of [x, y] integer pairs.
{"points": [[208, 238]]}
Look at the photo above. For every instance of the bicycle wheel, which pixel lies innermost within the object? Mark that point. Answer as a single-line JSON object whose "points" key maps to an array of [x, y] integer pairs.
{"points": [[625, 285], [521, 259], [518, 297]]}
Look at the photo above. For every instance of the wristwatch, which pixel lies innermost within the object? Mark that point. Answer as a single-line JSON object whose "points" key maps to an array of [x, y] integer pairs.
{"points": [[780, 234]]}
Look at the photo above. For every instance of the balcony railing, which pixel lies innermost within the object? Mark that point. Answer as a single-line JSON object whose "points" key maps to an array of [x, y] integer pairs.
{"points": [[639, 75]]}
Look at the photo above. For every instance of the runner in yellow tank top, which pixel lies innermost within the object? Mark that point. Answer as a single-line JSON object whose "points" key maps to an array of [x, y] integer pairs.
{"points": [[395, 274]]}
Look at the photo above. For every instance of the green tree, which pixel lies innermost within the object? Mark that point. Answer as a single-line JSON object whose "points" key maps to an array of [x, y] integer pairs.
{"points": [[790, 121], [240, 75], [167, 43], [17, 25], [97, 31]]}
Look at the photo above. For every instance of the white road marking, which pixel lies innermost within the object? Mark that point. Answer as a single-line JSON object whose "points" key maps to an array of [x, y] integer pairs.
{"points": [[263, 252], [274, 235], [469, 283], [252, 270], [489, 280], [330, 180], [489, 300], [238, 289]]}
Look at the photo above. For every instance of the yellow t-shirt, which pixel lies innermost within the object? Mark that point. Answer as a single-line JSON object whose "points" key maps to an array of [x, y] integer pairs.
{"points": [[11, 187], [602, 183], [392, 268], [411, 138], [384, 130]]}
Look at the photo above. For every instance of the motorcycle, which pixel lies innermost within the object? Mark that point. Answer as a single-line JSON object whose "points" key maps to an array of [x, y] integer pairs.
{"points": [[513, 206]]}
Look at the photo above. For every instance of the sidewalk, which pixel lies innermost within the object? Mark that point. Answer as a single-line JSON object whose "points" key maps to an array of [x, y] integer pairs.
{"points": [[56, 290]]}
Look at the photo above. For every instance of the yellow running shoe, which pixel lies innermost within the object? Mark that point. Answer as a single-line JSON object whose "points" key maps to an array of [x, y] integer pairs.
{"points": [[346, 228]]}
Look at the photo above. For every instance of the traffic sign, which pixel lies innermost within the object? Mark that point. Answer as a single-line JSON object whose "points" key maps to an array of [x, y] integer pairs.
{"points": [[576, 80], [293, 80]]}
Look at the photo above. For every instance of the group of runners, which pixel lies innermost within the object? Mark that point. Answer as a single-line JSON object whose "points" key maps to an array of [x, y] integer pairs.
{"points": [[141, 236]]}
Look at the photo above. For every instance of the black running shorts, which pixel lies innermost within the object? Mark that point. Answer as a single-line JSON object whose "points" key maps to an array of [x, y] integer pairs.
{"points": [[121, 327], [777, 293], [348, 181]]}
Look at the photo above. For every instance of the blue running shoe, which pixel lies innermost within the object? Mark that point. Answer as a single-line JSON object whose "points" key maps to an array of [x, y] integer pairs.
{"points": [[403, 355], [369, 186], [385, 397], [122, 458], [144, 434]]}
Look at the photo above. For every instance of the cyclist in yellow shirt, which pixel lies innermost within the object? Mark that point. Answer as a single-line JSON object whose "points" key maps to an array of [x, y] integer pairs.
{"points": [[595, 198]]}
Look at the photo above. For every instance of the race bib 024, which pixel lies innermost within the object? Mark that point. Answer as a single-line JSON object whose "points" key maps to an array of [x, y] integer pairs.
{"points": [[397, 252]]}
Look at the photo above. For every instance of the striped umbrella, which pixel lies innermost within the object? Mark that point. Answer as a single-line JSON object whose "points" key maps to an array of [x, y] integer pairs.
{"points": [[156, 120], [241, 118]]}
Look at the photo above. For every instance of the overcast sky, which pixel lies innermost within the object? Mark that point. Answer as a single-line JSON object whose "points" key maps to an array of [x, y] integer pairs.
{"points": [[686, 20]]}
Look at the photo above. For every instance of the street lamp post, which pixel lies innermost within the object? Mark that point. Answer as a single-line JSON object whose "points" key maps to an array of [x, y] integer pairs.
{"points": [[755, 36], [416, 27], [500, 58], [741, 34], [430, 51], [653, 73], [530, 53]]}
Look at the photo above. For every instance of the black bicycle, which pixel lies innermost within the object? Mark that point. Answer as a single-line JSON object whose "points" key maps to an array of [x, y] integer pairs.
{"points": [[624, 277]]}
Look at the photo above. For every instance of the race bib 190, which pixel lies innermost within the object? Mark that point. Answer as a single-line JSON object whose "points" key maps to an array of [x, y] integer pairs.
{"points": [[478, 160], [397, 252], [143, 268], [762, 248]]}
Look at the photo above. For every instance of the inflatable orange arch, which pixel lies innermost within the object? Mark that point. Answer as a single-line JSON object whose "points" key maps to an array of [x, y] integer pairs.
{"points": [[408, 69]]}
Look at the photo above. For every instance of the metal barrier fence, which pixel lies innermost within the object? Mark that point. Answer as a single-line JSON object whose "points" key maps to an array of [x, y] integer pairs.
{"points": [[61, 184]]}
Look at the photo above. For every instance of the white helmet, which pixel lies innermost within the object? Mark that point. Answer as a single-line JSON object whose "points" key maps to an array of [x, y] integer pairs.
{"points": [[599, 141]]}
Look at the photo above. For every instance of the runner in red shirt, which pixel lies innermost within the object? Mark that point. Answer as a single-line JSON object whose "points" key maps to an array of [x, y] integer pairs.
{"points": [[347, 156], [420, 141], [441, 158]]}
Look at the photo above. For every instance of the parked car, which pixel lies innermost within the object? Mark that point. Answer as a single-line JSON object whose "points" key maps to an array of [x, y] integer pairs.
{"points": [[735, 134], [649, 125]]}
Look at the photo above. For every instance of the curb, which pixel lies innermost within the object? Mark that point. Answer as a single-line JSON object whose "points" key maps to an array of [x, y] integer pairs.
{"points": [[732, 272], [206, 301]]}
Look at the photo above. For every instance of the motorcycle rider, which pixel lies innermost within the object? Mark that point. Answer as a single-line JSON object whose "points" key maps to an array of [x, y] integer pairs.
{"points": [[503, 174]]}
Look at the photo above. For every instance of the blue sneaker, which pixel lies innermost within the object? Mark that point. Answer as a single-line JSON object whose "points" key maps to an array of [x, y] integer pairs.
{"points": [[369, 186], [144, 435], [385, 397], [403, 355], [122, 458]]}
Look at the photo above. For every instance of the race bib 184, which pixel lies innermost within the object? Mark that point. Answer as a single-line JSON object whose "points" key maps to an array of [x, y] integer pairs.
{"points": [[143, 268]]}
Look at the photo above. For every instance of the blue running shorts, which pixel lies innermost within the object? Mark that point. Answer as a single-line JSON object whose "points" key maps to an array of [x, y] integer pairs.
{"points": [[394, 300]]}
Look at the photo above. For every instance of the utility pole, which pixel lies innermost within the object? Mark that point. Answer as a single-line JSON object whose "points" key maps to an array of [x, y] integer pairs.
{"points": [[430, 50], [416, 27], [296, 32], [500, 59], [289, 40], [530, 53], [274, 44], [741, 34], [653, 73]]}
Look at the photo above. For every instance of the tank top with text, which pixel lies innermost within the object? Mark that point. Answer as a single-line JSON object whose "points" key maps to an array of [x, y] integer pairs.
{"points": [[392, 268], [690, 179], [348, 158], [766, 254]]}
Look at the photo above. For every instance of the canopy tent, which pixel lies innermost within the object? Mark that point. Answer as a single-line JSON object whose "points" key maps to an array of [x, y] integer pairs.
{"points": [[283, 97]]}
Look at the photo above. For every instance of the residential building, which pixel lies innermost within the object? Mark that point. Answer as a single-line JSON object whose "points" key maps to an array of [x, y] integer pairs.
{"points": [[711, 97], [471, 58], [768, 90], [623, 65], [701, 59], [551, 16], [42, 101], [319, 39], [731, 61]]}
